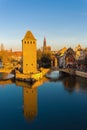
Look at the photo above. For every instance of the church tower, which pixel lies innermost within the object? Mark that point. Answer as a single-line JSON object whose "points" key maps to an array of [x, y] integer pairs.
{"points": [[46, 49], [44, 45], [29, 53]]}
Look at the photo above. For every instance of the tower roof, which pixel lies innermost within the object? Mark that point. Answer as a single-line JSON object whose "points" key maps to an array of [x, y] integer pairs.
{"points": [[29, 35], [44, 42]]}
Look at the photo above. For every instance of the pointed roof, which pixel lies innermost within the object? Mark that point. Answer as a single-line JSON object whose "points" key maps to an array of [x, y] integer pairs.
{"points": [[29, 35], [44, 42]]}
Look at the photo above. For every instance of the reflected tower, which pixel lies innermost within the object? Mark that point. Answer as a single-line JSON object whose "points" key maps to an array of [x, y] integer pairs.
{"points": [[30, 98], [30, 103]]}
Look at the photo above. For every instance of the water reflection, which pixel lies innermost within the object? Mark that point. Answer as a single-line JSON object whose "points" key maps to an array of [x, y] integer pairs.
{"points": [[30, 94], [4, 83], [72, 83], [30, 98], [5, 76], [81, 84], [30, 103], [69, 83]]}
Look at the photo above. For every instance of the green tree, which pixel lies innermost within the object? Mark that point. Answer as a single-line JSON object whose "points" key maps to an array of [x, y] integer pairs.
{"points": [[39, 54], [46, 60]]}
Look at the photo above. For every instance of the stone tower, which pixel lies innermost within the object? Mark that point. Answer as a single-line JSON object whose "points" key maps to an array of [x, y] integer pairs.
{"points": [[29, 53]]}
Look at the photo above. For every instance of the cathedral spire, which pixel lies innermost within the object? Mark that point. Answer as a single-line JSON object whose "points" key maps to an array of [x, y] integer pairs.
{"points": [[44, 42]]}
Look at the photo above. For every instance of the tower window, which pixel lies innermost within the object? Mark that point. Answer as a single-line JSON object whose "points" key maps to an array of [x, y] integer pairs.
{"points": [[34, 42], [28, 42], [31, 42], [25, 42]]}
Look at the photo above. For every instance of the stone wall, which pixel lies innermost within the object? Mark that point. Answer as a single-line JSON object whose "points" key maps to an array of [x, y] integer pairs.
{"points": [[26, 77], [81, 74]]}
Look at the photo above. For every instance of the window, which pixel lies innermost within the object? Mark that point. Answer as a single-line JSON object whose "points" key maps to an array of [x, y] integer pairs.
{"points": [[31, 42], [28, 42], [25, 42]]}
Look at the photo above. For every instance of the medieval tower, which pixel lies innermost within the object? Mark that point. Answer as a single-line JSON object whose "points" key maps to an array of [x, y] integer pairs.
{"points": [[29, 53]]}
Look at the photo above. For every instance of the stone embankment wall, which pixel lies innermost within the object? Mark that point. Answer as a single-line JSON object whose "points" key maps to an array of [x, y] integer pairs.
{"points": [[74, 72], [81, 74], [26, 77]]}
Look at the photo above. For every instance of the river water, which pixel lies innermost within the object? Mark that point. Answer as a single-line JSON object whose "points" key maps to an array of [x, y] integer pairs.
{"points": [[47, 105]]}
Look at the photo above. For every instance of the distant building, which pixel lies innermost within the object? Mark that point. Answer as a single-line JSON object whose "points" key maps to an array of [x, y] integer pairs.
{"points": [[61, 57], [80, 53], [67, 59], [62, 61], [85, 52], [2, 47], [70, 58], [62, 51], [1, 65], [54, 61], [29, 53], [54, 52], [17, 55], [78, 48], [46, 49]]}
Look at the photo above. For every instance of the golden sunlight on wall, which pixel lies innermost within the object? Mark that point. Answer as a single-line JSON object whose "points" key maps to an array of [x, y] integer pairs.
{"points": [[29, 53]]}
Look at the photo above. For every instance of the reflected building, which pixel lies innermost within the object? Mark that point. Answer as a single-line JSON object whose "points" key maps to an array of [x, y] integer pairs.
{"points": [[30, 102], [30, 98], [5, 82], [81, 84], [72, 84], [69, 83]]}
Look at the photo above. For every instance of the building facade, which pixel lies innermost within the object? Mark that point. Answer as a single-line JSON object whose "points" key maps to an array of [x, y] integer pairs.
{"points": [[67, 59], [70, 58], [29, 53], [80, 53]]}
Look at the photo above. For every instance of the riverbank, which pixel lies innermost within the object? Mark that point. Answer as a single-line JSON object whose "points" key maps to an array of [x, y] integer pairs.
{"points": [[81, 74], [74, 72]]}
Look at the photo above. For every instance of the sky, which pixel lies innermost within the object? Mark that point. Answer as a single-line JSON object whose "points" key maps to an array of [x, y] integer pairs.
{"points": [[62, 22]]}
